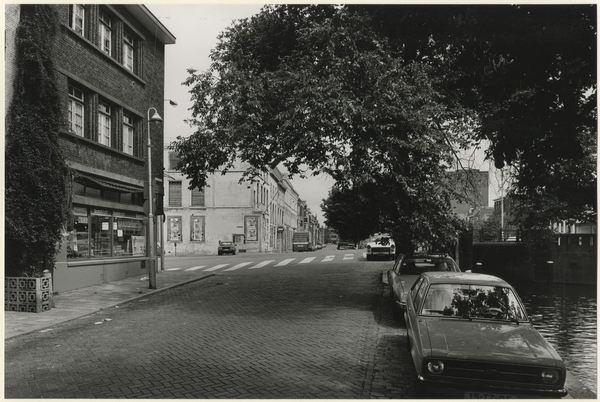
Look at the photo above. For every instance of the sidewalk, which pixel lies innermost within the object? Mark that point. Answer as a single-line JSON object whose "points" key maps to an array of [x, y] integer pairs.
{"points": [[81, 302]]}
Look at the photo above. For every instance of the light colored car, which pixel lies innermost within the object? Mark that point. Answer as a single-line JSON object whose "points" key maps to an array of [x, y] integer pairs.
{"points": [[407, 269], [381, 247], [227, 247], [469, 336]]}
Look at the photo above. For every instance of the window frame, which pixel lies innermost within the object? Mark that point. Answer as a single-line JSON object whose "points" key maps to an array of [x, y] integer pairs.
{"points": [[199, 194], [128, 50], [128, 134], [73, 18], [104, 116], [74, 100], [172, 186], [105, 32]]}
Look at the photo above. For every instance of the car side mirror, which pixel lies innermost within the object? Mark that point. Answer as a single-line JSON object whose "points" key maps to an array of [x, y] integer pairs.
{"points": [[536, 317]]}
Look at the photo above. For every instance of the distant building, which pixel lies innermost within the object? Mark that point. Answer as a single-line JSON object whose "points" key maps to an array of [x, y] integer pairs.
{"points": [[258, 217], [471, 191]]}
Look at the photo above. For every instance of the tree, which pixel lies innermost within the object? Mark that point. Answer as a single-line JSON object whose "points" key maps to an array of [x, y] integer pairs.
{"points": [[351, 213], [36, 193], [314, 87], [387, 94]]}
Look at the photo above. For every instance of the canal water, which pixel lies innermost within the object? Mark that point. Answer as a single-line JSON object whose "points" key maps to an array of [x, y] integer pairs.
{"points": [[568, 322]]}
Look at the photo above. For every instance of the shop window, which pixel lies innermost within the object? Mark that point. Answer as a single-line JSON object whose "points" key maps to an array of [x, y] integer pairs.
{"points": [[197, 198], [104, 123], [77, 18], [174, 193], [174, 228], [78, 238], [100, 241], [128, 237], [105, 33], [76, 115], [197, 228]]}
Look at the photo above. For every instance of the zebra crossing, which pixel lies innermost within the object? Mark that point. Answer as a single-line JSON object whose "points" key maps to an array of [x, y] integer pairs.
{"points": [[262, 264]]}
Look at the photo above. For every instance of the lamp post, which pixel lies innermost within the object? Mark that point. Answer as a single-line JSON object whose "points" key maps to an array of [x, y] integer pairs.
{"points": [[151, 266], [162, 223]]}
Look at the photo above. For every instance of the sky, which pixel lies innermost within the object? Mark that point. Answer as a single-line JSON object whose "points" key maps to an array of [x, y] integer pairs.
{"points": [[196, 28]]}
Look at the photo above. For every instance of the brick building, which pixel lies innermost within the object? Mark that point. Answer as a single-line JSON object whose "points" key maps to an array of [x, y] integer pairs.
{"points": [[109, 67], [258, 217]]}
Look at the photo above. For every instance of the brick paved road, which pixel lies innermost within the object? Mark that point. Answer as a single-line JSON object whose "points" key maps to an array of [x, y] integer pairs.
{"points": [[293, 334]]}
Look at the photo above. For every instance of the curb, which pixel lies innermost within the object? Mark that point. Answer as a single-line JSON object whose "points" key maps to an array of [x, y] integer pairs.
{"points": [[152, 292]]}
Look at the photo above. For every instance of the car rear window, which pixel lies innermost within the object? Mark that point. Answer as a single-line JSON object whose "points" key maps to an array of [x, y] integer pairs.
{"points": [[226, 243], [418, 265]]}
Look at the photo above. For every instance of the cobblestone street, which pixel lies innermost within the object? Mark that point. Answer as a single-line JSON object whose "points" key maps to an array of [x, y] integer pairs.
{"points": [[291, 334]]}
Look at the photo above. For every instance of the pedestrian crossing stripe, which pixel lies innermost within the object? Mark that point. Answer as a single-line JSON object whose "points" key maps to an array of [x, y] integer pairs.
{"points": [[328, 258], [262, 264], [173, 269], [216, 267], [195, 268], [348, 256], [242, 265], [285, 262], [306, 260]]}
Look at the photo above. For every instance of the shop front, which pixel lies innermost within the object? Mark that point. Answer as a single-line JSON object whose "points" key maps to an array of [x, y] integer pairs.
{"points": [[108, 237]]}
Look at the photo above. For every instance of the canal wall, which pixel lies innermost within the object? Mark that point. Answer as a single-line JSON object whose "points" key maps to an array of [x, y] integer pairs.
{"points": [[573, 256]]}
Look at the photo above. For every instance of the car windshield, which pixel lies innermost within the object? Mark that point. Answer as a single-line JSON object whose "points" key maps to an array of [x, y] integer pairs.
{"points": [[472, 301], [418, 265], [226, 243]]}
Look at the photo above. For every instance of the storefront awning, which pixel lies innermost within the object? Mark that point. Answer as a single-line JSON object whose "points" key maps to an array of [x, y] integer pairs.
{"points": [[104, 183]]}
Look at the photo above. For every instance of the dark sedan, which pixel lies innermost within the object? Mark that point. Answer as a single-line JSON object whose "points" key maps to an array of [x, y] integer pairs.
{"points": [[227, 247], [470, 337]]}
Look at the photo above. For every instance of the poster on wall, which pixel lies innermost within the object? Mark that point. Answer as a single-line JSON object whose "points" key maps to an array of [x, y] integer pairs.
{"points": [[138, 245], [174, 229], [197, 228], [251, 228]]}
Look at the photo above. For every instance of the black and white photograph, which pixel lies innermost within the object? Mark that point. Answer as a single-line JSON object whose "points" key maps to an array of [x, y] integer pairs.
{"points": [[300, 201]]}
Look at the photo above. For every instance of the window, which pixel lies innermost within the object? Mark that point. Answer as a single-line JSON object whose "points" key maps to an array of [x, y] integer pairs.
{"points": [[128, 46], [105, 33], [174, 228], [173, 160], [104, 123], [197, 198], [127, 134], [197, 228], [77, 18], [76, 111], [174, 193]]}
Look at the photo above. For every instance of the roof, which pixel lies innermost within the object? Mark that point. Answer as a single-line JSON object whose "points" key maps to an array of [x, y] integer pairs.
{"points": [[466, 278], [148, 19]]}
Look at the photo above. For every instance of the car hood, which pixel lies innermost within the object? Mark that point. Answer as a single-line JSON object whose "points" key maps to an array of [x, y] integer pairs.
{"points": [[485, 340]]}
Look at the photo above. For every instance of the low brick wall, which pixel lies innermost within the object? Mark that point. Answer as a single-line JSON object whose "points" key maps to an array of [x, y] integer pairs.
{"points": [[574, 259]]}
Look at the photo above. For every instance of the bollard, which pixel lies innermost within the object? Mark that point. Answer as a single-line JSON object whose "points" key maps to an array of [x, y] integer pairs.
{"points": [[550, 272]]}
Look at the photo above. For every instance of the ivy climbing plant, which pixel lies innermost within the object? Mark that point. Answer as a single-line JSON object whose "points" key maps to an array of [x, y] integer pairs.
{"points": [[36, 172]]}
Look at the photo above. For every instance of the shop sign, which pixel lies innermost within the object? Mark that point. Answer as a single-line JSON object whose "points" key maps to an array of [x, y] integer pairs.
{"points": [[100, 212], [129, 224]]}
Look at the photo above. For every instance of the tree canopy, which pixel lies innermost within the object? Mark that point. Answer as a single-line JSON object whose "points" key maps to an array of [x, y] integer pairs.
{"points": [[384, 96]]}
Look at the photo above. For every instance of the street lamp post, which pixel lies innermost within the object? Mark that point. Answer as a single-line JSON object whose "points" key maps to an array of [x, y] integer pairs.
{"points": [[152, 265]]}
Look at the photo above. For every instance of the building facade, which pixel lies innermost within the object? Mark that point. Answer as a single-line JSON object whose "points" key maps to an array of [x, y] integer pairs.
{"points": [[258, 216], [109, 68]]}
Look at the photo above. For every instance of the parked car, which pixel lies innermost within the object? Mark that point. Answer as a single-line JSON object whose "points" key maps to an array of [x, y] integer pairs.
{"points": [[227, 247], [470, 337], [407, 269], [381, 247], [344, 245]]}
